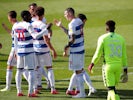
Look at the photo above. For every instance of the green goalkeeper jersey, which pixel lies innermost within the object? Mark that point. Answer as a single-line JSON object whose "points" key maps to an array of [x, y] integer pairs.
{"points": [[113, 48]]}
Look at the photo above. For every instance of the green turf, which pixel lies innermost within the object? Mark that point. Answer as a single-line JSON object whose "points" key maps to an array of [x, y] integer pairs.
{"points": [[97, 12]]}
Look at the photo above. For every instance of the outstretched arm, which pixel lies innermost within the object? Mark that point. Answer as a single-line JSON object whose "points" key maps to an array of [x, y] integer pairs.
{"points": [[6, 28], [59, 24]]}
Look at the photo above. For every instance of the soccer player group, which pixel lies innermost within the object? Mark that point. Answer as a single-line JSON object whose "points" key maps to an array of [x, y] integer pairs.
{"points": [[31, 52]]}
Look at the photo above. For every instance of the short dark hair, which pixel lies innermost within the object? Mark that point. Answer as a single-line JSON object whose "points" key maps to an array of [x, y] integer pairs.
{"points": [[39, 11], [111, 25], [32, 4], [71, 10], [12, 14], [82, 17], [26, 16]]}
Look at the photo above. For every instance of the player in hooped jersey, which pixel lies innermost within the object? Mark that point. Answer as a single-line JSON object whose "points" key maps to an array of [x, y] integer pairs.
{"points": [[76, 46], [23, 43], [12, 61], [40, 70], [73, 79], [42, 47]]}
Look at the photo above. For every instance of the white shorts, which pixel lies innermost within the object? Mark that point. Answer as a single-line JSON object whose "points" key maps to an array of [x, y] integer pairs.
{"points": [[44, 60], [26, 62], [76, 62], [12, 61]]}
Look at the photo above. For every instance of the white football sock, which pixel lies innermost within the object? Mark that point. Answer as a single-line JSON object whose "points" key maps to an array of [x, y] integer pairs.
{"points": [[18, 80], [73, 82], [8, 78], [39, 76], [51, 78], [87, 79], [31, 81], [44, 73], [80, 83], [35, 80], [25, 74]]}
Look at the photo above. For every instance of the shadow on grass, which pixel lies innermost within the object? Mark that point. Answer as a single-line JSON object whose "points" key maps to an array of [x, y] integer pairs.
{"points": [[100, 94], [3, 54]]}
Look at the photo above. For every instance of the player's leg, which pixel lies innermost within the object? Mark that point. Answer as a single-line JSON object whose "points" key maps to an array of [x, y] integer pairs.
{"points": [[80, 83], [89, 83], [48, 63], [18, 77], [31, 82], [11, 62], [76, 63], [41, 70], [44, 73], [51, 79], [36, 91], [72, 84], [8, 78], [39, 78], [29, 65], [25, 74], [110, 81]]}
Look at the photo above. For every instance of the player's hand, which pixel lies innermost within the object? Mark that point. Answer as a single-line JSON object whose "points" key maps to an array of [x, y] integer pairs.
{"points": [[54, 54], [124, 76], [90, 67], [58, 23], [65, 51], [65, 54]]}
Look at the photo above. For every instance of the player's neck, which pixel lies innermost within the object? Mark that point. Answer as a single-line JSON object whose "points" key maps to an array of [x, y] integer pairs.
{"points": [[14, 21], [73, 17], [39, 18]]}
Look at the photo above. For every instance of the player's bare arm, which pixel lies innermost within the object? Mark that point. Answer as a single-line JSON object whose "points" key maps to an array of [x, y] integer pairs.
{"points": [[47, 41], [59, 24], [6, 28], [71, 41]]}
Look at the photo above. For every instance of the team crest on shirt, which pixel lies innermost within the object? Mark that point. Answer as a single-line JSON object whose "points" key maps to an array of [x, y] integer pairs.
{"points": [[70, 30]]}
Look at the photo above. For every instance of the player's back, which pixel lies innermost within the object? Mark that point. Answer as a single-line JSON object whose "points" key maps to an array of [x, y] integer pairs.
{"points": [[113, 47], [24, 39]]}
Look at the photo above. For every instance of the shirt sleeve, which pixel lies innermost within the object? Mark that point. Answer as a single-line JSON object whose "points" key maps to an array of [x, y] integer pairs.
{"points": [[99, 51], [124, 55], [71, 29], [44, 26], [36, 35], [15, 41]]}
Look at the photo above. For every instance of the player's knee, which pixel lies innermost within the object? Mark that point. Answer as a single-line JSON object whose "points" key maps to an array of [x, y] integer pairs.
{"points": [[10, 67], [49, 67], [112, 88]]}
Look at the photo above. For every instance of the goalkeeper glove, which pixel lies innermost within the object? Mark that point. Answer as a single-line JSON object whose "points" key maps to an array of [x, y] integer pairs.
{"points": [[124, 76], [90, 67]]}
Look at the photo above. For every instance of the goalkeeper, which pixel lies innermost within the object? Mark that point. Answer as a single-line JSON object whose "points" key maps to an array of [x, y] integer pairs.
{"points": [[113, 48]]}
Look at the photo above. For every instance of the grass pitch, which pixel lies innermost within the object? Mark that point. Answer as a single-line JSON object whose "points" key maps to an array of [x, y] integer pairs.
{"points": [[97, 13]]}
